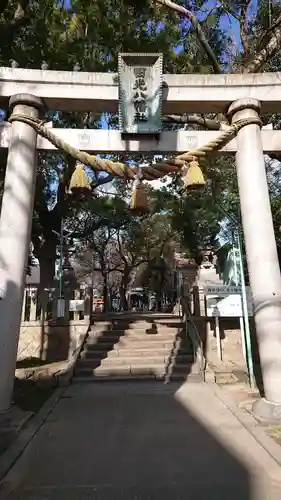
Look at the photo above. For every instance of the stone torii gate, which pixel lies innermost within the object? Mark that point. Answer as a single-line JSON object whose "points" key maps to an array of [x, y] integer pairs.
{"points": [[240, 96]]}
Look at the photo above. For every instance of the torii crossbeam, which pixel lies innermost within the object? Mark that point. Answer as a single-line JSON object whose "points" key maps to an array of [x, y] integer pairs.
{"points": [[98, 92], [111, 141]]}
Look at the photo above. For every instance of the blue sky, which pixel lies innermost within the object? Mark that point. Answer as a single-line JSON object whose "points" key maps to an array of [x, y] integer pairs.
{"points": [[233, 26]]}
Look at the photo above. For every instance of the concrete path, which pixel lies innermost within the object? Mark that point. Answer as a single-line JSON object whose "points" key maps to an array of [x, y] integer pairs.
{"points": [[145, 442]]}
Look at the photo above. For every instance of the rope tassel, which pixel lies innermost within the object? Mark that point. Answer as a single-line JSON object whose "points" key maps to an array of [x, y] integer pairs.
{"points": [[139, 202], [193, 179], [79, 182]]}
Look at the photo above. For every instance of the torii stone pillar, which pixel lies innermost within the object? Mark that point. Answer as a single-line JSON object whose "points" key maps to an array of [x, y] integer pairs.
{"points": [[15, 231], [262, 258]]}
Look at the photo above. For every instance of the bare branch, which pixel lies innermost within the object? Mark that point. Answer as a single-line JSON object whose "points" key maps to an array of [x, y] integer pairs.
{"points": [[229, 10], [199, 32], [243, 27], [242, 20], [273, 44], [120, 247]]}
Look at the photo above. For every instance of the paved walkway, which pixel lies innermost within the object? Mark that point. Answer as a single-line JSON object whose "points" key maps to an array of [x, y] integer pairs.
{"points": [[145, 442]]}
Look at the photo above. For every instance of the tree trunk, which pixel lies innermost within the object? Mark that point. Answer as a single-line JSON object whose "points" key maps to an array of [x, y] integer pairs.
{"points": [[47, 272], [105, 293], [46, 255], [158, 301], [123, 290], [123, 299]]}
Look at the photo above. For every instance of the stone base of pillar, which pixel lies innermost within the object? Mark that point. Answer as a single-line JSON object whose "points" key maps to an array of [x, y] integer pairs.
{"points": [[267, 411], [11, 423], [5, 418]]}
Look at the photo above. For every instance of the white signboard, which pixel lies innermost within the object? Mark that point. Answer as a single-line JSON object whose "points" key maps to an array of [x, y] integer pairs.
{"points": [[230, 306], [224, 290], [76, 305]]}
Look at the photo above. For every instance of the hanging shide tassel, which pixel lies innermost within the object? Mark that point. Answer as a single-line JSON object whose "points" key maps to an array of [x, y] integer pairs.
{"points": [[139, 202], [79, 182], [193, 179]]}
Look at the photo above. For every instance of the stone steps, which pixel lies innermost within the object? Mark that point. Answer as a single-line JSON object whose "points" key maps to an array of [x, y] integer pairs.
{"points": [[127, 352], [135, 318], [158, 370], [138, 351], [107, 347], [97, 332], [134, 360], [134, 378], [133, 334], [134, 344], [133, 338], [139, 326]]}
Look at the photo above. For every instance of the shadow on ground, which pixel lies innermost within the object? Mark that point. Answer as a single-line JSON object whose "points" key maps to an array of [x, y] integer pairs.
{"points": [[28, 396], [142, 442]]}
